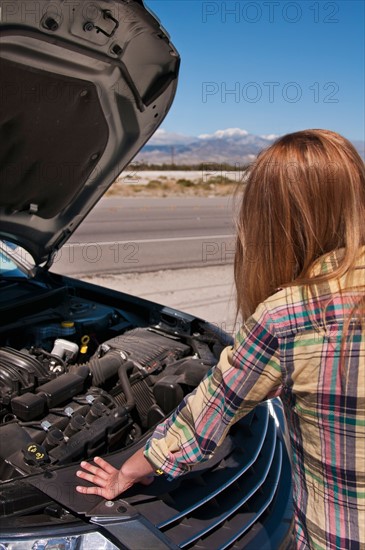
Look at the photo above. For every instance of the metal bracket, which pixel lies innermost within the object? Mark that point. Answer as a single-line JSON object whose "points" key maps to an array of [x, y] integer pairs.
{"points": [[110, 511], [127, 527], [107, 14]]}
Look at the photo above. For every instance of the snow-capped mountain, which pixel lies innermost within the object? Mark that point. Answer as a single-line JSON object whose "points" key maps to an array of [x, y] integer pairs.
{"points": [[232, 145]]}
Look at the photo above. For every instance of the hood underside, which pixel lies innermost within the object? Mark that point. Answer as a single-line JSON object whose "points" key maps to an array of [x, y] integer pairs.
{"points": [[83, 86]]}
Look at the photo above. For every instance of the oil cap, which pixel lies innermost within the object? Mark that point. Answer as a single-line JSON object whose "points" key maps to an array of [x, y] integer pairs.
{"points": [[35, 455]]}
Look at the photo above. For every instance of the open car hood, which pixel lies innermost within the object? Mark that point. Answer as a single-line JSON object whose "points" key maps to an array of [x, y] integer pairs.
{"points": [[83, 86]]}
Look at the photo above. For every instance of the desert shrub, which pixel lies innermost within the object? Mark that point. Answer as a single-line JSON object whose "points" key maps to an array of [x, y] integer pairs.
{"points": [[154, 184], [220, 179], [185, 183]]}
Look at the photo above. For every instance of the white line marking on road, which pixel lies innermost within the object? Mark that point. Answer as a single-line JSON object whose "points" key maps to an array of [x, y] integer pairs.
{"points": [[142, 241]]}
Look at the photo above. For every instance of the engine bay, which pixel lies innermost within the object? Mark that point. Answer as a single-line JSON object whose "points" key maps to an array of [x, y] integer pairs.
{"points": [[79, 377]]}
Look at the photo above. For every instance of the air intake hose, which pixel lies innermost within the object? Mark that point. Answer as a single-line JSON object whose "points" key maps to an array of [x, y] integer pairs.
{"points": [[102, 368]]}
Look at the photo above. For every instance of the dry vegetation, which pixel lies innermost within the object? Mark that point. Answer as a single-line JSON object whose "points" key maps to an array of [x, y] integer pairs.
{"points": [[161, 185]]}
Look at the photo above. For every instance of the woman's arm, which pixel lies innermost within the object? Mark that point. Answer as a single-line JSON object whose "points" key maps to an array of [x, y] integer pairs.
{"points": [[243, 377]]}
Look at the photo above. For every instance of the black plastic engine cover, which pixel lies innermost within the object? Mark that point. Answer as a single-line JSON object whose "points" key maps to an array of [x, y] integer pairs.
{"points": [[148, 348]]}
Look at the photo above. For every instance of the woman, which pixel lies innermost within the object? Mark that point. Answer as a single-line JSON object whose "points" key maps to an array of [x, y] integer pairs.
{"points": [[300, 280]]}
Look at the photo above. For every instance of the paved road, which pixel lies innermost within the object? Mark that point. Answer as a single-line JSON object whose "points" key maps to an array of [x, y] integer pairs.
{"points": [[124, 235]]}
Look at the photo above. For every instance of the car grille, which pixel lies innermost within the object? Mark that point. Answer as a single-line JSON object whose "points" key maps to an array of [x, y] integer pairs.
{"points": [[243, 499]]}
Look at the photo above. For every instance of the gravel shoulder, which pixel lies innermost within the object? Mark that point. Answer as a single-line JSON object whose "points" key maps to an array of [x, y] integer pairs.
{"points": [[206, 292]]}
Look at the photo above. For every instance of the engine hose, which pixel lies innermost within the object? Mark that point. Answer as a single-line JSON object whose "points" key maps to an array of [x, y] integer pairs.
{"points": [[124, 382], [102, 368]]}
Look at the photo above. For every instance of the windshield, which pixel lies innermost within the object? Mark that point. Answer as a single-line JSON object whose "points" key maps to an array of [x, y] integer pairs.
{"points": [[14, 260]]}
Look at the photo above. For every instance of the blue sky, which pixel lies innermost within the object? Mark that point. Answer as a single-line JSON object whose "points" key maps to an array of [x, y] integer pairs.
{"points": [[268, 67]]}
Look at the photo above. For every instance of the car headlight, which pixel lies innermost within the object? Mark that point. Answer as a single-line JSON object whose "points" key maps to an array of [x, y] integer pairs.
{"points": [[87, 541]]}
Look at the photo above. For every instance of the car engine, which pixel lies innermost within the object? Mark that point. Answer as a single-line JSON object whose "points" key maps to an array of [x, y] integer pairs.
{"points": [[65, 397]]}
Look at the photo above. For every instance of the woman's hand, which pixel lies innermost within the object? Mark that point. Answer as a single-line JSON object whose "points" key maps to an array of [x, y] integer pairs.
{"points": [[109, 482]]}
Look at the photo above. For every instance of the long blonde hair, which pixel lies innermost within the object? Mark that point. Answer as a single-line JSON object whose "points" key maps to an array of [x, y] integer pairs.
{"points": [[303, 197]]}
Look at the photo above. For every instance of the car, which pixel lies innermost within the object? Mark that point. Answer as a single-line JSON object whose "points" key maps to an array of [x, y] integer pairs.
{"points": [[85, 370]]}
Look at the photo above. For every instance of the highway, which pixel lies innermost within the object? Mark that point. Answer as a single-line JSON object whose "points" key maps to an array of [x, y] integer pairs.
{"points": [[136, 235]]}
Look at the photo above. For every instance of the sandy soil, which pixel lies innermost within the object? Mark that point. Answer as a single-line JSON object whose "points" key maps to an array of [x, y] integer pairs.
{"points": [[206, 292]]}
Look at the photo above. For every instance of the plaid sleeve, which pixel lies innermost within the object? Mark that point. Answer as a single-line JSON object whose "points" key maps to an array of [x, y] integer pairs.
{"points": [[243, 377]]}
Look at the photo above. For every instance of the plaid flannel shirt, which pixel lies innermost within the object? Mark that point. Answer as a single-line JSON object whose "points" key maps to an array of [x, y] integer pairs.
{"points": [[291, 344]]}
